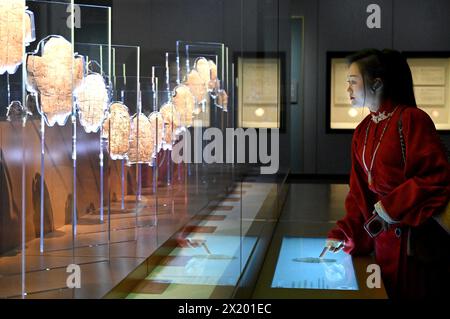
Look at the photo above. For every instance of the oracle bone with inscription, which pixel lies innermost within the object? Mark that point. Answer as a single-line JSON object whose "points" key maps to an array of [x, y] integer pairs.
{"points": [[53, 77], [92, 100], [185, 105], [116, 130], [141, 145], [204, 70], [197, 86], [16, 31], [172, 123]]}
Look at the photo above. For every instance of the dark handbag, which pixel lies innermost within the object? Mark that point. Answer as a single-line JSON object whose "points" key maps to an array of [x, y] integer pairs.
{"points": [[429, 242]]}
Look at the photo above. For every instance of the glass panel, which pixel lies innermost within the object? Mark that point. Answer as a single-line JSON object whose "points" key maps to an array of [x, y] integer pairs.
{"points": [[189, 195], [46, 165], [53, 72], [124, 202], [29, 221], [92, 25], [16, 32], [99, 183]]}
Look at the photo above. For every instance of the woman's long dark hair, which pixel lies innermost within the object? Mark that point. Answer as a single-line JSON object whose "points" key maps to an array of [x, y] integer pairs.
{"points": [[392, 68]]}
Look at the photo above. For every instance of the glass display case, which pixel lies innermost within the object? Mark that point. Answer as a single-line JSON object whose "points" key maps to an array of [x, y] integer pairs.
{"points": [[208, 257], [88, 176], [204, 68], [46, 192], [16, 33]]}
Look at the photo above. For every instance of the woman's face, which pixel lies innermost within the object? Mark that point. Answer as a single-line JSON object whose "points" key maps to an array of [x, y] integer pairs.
{"points": [[355, 87]]}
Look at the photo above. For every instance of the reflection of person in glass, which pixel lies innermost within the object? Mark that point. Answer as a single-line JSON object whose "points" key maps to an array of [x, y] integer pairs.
{"points": [[400, 178], [339, 274]]}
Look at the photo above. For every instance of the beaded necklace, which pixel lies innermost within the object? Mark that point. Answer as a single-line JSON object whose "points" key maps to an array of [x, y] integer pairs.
{"points": [[369, 170]]}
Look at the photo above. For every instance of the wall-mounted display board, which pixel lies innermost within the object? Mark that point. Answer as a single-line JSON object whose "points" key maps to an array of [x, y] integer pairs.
{"points": [[431, 78], [260, 91]]}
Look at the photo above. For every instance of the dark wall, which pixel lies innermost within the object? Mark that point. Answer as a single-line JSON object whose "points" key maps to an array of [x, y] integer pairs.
{"points": [[332, 25], [245, 26], [242, 25], [264, 25], [156, 25]]}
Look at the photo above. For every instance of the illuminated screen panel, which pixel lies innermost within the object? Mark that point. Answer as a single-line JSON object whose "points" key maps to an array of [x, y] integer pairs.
{"points": [[219, 262], [299, 266]]}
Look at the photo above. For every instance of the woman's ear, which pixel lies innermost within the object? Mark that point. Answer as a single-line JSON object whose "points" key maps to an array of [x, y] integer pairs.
{"points": [[377, 84]]}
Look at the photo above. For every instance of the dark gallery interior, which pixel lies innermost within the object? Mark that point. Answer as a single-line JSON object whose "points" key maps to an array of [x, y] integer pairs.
{"points": [[224, 149]]}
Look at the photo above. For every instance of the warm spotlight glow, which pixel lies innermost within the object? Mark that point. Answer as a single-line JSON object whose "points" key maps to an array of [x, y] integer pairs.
{"points": [[435, 114], [259, 112], [352, 112]]}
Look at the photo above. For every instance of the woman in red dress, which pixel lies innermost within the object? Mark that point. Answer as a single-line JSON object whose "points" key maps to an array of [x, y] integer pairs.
{"points": [[398, 180]]}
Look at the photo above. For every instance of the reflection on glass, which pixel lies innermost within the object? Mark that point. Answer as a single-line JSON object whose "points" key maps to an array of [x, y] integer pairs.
{"points": [[216, 261], [299, 266]]}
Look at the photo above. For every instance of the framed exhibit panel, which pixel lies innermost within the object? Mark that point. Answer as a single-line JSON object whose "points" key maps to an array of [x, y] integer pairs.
{"points": [[431, 78], [260, 86]]}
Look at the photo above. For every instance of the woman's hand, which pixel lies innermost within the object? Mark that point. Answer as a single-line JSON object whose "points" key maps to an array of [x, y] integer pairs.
{"points": [[190, 242], [334, 245]]}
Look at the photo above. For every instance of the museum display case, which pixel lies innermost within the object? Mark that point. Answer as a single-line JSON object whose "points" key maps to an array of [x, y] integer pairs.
{"points": [[28, 198], [58, 121], [88, 176]]}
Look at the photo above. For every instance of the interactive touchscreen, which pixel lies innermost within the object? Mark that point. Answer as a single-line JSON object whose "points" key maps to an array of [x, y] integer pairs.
{"points": [[299, 266]]}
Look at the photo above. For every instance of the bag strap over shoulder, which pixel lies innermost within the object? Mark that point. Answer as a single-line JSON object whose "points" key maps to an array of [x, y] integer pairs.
{"points": [[402, 139]]}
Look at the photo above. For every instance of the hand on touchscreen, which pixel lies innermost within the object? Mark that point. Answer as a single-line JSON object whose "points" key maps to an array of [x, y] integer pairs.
{"points": [[334, 245]]}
